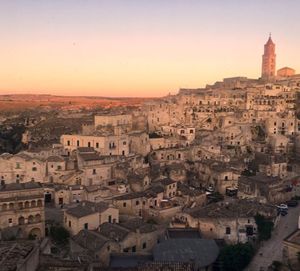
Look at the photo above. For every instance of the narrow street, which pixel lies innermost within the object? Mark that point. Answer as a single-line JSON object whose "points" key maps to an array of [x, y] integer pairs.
{"points": [[271, 250]]}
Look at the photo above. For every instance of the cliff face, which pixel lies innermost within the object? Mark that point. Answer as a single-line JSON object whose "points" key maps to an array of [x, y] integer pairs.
{"points": [[10, 138]]}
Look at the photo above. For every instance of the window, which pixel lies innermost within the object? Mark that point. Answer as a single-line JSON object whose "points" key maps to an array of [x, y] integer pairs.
{"points": [[191, 131], [134, 249], [86, 226], [124, 142], [18, 166], [97, 145], [10, 220], [34, 169], [109, 219], [70, 224], [89, 144], [144, 245], [94, 171], [137, 202], [228, 230], [78, 144], [108, 248], [124, 204], [68, 142]]}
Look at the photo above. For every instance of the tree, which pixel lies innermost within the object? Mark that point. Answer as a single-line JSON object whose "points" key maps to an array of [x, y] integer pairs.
{"points": [[264, 227], [276, 266], [59, 234], [236, 257]]}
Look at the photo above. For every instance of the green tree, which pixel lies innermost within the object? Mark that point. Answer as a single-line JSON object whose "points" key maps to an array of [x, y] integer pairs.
{"points": [[264, 227], [59, 234], [236, 257]]}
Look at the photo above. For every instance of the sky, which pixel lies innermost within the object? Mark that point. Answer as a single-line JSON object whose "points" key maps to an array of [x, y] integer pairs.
{"points": [[144, 48]]}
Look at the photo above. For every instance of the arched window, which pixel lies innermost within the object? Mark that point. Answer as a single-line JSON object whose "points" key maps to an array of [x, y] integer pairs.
{"points": [[20, 204], [38, 218], [4, 207], [39, 203], [11, 206], [33, 203], [26, 204], [21, 220], [30, 219]]}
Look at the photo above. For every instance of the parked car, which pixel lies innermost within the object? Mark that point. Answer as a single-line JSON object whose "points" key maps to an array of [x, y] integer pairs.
{"points": [[283, 206], [283, 212], [210, 189], [292, 203]]}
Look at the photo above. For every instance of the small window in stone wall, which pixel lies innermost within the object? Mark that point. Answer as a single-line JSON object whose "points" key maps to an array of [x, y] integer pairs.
{"points": [[228, 230]]}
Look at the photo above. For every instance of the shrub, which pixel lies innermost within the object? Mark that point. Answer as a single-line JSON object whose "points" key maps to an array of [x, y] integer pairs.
{"points": [[236, 257]]}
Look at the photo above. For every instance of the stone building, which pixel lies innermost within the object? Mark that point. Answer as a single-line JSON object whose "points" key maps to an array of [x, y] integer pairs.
{"points": [[285, 72], [291, 249], [105, 144], [22, 211], [232, 221], [19, 255], [218, 175], [89, 216], [133, 237], [264, 188], [137, 203], [114, 120], [139, 142], [21, 168], [93, 246]]}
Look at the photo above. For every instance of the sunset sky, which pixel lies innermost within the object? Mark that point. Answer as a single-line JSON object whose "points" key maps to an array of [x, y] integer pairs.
{"points": [[139, 47]]}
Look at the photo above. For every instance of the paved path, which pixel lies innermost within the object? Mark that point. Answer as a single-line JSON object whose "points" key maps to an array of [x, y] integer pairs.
{"points": [[272, 249]]}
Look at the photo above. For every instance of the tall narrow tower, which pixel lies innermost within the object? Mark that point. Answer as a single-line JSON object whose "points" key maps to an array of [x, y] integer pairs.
{"points": [[268, 60]]}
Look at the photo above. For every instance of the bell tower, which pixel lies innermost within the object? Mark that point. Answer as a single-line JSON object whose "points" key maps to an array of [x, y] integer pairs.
{"points": [[268, 60]]}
